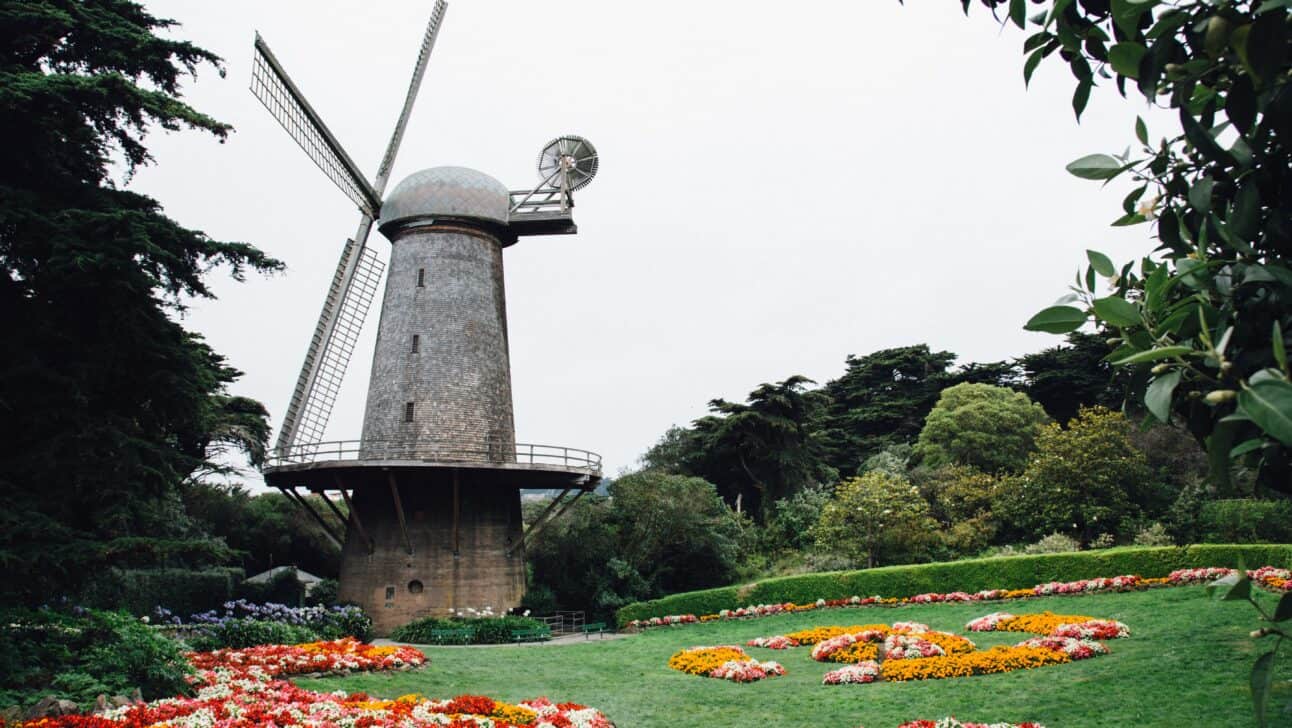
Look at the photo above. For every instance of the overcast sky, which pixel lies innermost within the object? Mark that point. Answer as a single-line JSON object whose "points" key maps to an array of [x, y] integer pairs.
{"points": [[781, 185]]}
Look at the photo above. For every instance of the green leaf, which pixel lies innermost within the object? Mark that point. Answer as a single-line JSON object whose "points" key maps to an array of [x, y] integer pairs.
{"points": [[1283, 612], [1057, 320], [1202, 140], [1125, 58], [1090, 279], [1267, 45], [1200, 194], [1096, 166], [1117, 311], [1246, 447], [1155, 288], [1157, 398], [1165, 352], [1018, 12], [1240, 104], [1126, 14], [1133, 218], [1269, 404], [1280, 350], [1081, 96], [1262, 678], [1245, 214], [1141, 130], [1102, 264], [1029, 67]]}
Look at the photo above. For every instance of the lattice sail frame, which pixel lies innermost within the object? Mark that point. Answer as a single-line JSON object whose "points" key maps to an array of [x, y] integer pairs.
{"points": [[270, 84], [358, 273]]}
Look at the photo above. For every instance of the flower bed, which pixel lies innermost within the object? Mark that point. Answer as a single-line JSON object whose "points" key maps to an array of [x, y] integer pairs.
{"points": [[725, 662], [239, 689], [1268, 577], [911, 651], [953, 723], [343, 655], [1051, 624], [858, 674], [775, 642], [986, 662], [909, 647], [1077, 649]]}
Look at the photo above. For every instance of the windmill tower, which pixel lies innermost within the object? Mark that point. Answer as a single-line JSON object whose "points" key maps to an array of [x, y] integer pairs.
{"points": [[432, 487]]}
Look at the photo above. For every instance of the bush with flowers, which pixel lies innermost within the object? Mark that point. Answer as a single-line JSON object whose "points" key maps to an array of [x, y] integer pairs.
{"points": [[726, 662], [240, 689], [240, 623]]}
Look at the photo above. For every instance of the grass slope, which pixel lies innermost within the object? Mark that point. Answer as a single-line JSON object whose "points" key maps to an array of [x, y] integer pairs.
{"points": [[1186, 663]]}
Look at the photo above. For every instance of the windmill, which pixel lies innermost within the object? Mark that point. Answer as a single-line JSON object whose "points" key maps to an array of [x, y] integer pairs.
{"points": [[432, 487]]}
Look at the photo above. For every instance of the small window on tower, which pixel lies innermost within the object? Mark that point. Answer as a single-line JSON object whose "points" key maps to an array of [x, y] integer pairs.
{"points": [[421, 277], [408, 412], [417, 341]]}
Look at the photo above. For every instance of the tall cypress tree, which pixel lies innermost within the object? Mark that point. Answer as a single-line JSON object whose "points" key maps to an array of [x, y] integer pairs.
{"points": [[107, 404]]}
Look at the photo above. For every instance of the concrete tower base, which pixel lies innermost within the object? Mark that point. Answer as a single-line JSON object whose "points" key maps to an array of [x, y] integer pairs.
{"points": [[451, 552]]}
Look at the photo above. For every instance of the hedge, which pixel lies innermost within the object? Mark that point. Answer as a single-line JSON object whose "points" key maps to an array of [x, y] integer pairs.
{"points": [[971, 575], [183, 591]]}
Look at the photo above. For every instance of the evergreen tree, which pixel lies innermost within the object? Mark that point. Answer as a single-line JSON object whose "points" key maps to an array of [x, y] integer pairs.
{"points": [[109, 404]]}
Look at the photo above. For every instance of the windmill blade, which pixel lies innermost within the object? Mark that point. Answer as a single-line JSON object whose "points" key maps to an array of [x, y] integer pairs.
{"points": [[359, 271], [271, 84], [354, 285], [414, 85]]}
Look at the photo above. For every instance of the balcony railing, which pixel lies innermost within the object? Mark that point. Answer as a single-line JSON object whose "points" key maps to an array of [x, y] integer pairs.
{"points": [[357, 450]]}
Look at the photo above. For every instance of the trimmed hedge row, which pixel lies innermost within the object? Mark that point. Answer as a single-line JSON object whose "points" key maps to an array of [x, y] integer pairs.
{"points": [[182, 591], [971, 575]]}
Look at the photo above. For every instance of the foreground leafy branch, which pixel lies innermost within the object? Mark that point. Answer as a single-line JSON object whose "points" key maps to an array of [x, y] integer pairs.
{"points": [[1203, 321]]}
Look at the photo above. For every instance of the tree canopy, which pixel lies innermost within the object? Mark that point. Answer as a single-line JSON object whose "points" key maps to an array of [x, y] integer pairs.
{"points": [[989, 428], [110, 404]]}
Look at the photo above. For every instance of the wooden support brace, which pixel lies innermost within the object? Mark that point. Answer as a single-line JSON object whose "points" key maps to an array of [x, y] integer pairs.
{"points": [[399, 511], [540, 524], [322, 523], [354, 515]]}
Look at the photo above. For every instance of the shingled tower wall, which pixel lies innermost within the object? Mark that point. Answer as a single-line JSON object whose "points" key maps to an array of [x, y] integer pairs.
{"points": [[440, 390]]}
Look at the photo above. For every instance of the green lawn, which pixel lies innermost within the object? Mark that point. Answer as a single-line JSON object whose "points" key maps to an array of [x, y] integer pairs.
{"points": [[1185, 664]]}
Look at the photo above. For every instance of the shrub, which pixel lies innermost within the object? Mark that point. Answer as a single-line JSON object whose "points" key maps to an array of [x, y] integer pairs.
{"points": [[284, 587], [1154, 534], [1055, 543], [988, 427], [238, 633], [1082, 481], [1242, 520], [78, 656], [875, 518], [1008, 572], [243, 624], [324, 594], [484, 630]]}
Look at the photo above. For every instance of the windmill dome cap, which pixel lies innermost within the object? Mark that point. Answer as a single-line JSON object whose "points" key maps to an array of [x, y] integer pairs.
{"points": [[447, 191]]}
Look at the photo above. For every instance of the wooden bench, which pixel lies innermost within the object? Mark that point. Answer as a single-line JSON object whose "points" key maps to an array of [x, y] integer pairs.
{"points": [[598, 628], [537, 634], [458, 636]]}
